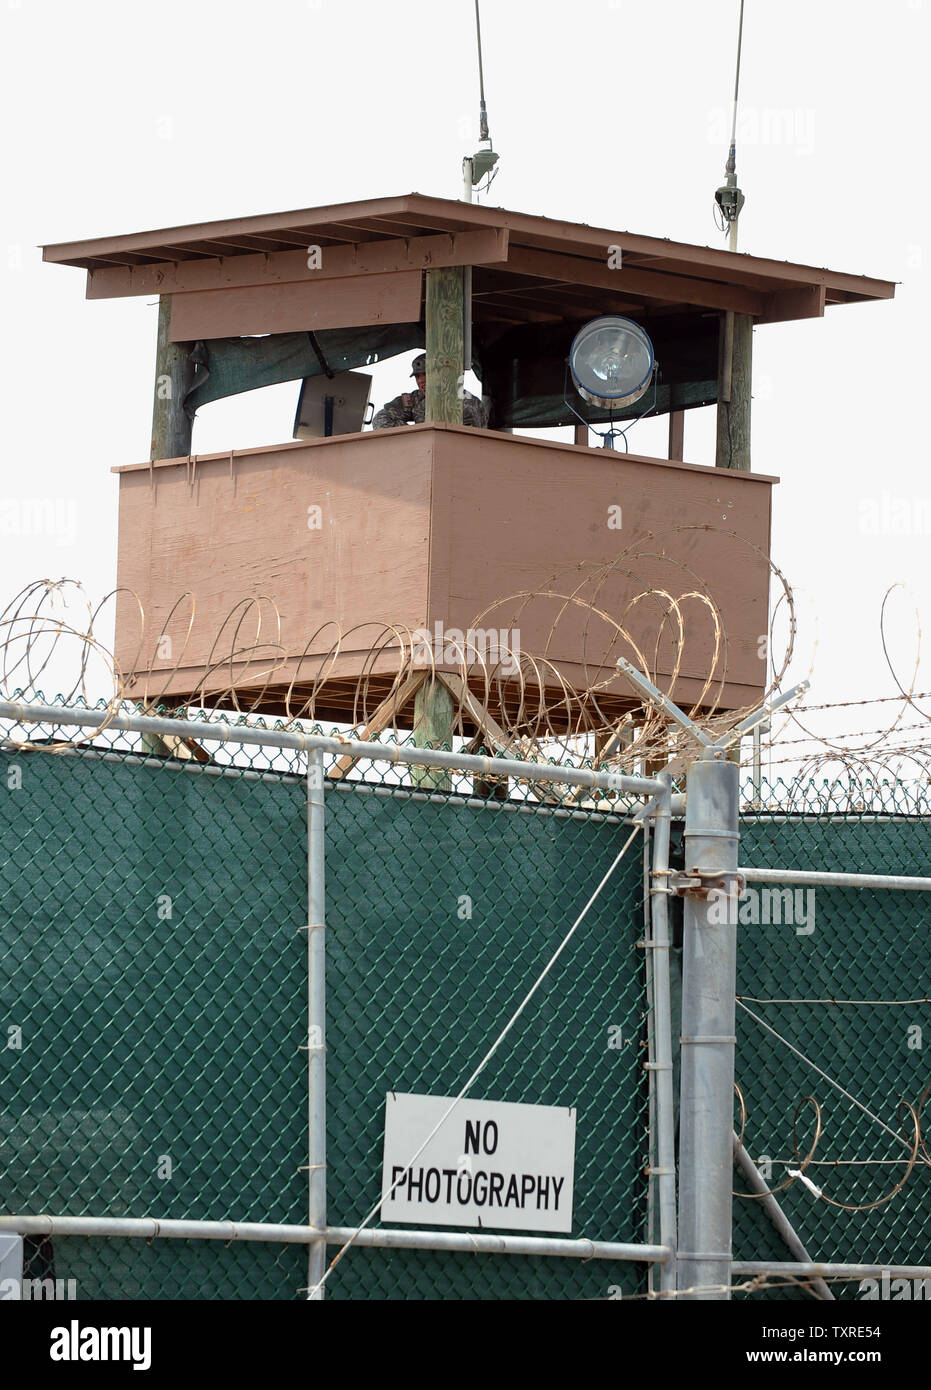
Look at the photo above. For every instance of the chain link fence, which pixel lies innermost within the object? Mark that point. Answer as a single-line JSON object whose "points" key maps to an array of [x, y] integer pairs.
{"points": [[153, 970], [153, 999], [153, 991], [833, 992]]}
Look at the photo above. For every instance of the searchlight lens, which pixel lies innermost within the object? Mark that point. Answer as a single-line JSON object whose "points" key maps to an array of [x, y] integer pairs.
{"points": [[611, 361]]}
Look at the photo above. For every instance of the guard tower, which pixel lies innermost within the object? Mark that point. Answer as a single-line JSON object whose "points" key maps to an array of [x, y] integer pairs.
{"points": [[435, 524]]}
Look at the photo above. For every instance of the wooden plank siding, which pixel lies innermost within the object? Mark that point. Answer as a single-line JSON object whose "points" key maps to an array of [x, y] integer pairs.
{"points": [[312, 305], [424, 525]]}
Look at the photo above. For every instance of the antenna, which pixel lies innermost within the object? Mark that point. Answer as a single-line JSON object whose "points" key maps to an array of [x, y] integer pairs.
{"points": [[483, 113], [728, 198], [479, 165]]}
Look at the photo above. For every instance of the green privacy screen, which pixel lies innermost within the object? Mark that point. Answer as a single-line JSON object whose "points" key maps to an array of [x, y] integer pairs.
{"points": [[859, 957], [151, 955], [417, 995], [153, 996]]}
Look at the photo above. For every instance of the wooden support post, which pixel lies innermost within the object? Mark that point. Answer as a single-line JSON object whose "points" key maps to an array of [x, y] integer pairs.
{"points": [[604, 740], [734, 373], [676, 435], [434, 712], [171, 438], [444, 313], [171, 428], [433, 704], [608, 742], [581, 434], [489, 734], [388, 712]]}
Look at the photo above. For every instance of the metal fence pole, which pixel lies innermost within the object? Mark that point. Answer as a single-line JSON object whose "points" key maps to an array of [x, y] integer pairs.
{"points": [[316, 1021], [663, 1149], [709, 966]]}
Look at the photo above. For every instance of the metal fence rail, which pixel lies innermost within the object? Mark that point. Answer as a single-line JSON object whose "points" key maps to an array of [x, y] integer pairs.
{"points": [[472, 1242]]}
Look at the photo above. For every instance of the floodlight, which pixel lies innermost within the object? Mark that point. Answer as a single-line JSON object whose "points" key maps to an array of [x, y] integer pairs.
{"points": [[611, 361], [483, 161]]}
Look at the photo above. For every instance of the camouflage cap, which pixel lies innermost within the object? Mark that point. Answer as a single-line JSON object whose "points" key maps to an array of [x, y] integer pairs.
{"points": [[419, 365]]}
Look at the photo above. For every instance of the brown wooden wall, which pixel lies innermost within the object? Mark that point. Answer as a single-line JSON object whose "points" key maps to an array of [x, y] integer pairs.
{"points": [[435, 523]]}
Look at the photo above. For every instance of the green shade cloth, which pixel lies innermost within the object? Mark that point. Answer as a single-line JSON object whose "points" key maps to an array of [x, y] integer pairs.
{"points": [[522, 369], [227, 366], [526, 374]]}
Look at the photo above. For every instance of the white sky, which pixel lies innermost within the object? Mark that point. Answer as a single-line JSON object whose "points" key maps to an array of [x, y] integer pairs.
{"points": [[123, 117]]}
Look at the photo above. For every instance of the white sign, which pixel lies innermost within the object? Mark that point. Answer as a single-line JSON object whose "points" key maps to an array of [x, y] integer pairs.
{"points": [[490, 1164]]}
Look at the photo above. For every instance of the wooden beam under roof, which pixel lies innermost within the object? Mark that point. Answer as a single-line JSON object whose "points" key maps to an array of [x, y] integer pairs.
{"points": [[594, 299], [807, 302], [200, 251], [672, 289], [733, 264], [563, 299], [338, 232], [558, 308], [437, 222], [284, 241], [714, 274], [758, 272], [64, 252], [489, 245], [505, 313], [778, 307], [388, 226], [502, 278], [244, 245], [122, 260]]}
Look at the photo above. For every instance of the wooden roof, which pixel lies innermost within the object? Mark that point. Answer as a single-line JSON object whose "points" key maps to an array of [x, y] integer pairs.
{"points": [[528, 268]]}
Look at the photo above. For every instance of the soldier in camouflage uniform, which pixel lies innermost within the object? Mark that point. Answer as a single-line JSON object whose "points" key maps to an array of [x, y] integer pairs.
{"points": [[409, 409]]}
